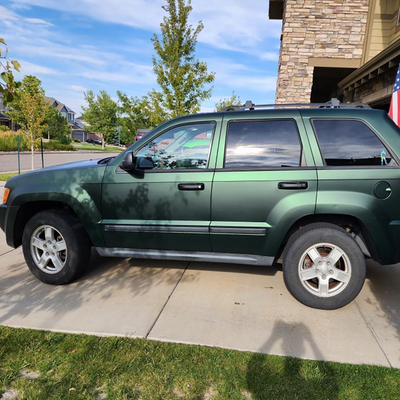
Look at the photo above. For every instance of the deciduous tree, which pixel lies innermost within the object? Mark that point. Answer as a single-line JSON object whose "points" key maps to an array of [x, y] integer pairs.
{"points": [[57, 126], [101, 114], [29, 109], [228, 101], [8, 85], [183, 79]]}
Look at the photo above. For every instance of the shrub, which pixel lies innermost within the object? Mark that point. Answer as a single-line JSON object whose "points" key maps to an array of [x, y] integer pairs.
{"points": [[9, 142], [4, 128], [56, 145]]}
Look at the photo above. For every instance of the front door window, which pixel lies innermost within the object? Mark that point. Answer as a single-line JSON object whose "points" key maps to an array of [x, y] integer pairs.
{"points": [[183, 147]]}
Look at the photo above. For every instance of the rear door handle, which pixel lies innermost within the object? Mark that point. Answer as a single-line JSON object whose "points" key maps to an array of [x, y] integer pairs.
{"points": [[191, 186], [293, 185]]}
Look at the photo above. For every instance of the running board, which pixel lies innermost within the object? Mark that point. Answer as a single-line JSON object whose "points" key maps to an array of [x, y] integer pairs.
{"points": [[248, 259]]}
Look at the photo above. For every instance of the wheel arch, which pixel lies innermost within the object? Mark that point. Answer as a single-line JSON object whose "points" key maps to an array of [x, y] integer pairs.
{"points": [[351, 224], [26, 208]]}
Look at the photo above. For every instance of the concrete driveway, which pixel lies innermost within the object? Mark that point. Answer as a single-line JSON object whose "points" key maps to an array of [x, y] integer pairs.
{"points": [[237, 307]]}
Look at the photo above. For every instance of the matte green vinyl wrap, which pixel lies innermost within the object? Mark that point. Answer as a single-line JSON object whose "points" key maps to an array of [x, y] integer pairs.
{"points": [[238, 211], [350, 190], [154, 199], [77, 185], [240, 196]]}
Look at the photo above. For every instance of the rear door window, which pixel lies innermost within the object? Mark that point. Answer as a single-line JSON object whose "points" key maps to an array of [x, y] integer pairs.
{"points": [[350, 143], [262, 145]]}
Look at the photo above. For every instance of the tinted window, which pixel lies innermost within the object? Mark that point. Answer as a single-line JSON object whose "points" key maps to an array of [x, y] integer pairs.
{"points": [[347, 143], [183, 147], [262, 144]]}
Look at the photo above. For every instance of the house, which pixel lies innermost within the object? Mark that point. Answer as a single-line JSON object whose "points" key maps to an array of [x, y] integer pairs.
{"points": [[337, 48], [83, 132], [4, 120], [77, 131]]}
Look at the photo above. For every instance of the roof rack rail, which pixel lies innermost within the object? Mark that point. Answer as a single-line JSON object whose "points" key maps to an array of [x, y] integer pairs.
{"points": [[333, 103]]}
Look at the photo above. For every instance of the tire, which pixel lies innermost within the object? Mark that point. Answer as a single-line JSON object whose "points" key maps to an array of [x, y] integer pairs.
{"points": [[314, 257], [43, 241]]}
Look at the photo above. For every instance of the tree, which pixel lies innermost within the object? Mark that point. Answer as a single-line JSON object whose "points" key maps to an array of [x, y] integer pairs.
{"points": [[138, 113], [101, 114], [229, 101], [29, 109], [34, 109], [57, 126], [9, 85], [182, 78], [133, 115], [30, 85]]}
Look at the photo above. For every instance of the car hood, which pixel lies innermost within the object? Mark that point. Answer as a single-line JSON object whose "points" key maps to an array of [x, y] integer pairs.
{"points": [[89, 171]]}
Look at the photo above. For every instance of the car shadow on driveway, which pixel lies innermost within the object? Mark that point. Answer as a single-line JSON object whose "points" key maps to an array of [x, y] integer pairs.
{"points": [[107, 280]]}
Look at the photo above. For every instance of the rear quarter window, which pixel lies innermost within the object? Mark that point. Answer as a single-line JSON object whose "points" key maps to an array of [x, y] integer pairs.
{"points": [[350, 143]]}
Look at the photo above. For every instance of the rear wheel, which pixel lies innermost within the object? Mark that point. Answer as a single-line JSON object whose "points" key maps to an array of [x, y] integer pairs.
{"points": [[323, 266], [56, 247]]}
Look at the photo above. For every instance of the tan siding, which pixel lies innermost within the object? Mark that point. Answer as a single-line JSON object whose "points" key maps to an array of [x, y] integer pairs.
{"points": [[384, 30]]}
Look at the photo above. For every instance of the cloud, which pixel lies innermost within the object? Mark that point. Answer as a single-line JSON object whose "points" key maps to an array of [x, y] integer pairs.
{"points": [[28, 68], [235, 76], [269, 56], [38, 21], [234, 26], [78, 88]]}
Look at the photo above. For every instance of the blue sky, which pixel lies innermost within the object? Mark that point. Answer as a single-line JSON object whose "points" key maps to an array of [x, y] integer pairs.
{"points": [[76, 45]]}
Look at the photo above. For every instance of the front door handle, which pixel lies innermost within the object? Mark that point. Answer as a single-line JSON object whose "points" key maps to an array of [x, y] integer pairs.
{"points": [[293, 185], [191, 186]]}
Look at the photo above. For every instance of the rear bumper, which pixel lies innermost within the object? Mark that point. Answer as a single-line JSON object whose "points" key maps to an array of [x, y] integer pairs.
{"points": [[386, 238]]}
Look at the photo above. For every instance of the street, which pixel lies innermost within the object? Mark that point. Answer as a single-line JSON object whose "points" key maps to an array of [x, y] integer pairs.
{"points": [[9, 161]]}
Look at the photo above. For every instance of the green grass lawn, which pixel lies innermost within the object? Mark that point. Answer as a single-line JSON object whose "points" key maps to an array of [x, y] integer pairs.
{"points": [[7, 175], [87, 367], [96, 147]]}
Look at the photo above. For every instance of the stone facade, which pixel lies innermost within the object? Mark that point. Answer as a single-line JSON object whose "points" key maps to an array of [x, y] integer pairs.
{"points": [[322, 29]]}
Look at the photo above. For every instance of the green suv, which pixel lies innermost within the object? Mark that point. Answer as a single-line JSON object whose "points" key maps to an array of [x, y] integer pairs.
{"points": [[316, 188]]}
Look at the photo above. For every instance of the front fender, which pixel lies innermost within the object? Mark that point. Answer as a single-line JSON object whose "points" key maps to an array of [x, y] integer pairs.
{"points": [[82, 195]]}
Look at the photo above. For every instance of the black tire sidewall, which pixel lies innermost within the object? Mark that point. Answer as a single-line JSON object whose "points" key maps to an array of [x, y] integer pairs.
{"points": [[77, 255], [335, 236]]}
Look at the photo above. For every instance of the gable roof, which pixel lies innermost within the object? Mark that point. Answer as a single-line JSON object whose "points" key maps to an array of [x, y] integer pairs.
{"points": [[58, 105]]}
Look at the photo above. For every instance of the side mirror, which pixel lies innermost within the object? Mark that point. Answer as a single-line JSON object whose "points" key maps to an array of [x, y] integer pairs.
{"points": [[128, 163], [145, 163]]}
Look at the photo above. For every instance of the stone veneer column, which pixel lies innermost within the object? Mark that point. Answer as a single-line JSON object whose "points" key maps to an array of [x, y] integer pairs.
{"points": [[317, 28]]}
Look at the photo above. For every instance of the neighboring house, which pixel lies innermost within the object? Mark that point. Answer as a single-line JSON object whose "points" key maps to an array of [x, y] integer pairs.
{"points": [[66, 112], [337, 48], [83, 132], [4, 120]]}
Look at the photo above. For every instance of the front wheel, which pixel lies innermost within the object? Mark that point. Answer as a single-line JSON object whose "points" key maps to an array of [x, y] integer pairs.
{"points": [[323, 266], [56, 247]]}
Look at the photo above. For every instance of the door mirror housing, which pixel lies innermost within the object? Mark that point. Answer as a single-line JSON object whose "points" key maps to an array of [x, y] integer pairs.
{"points": [[145, 163], [129, 162]]}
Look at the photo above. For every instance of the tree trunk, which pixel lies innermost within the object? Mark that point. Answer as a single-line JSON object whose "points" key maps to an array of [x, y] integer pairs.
{"points": [[32, 155], [102, 142]]}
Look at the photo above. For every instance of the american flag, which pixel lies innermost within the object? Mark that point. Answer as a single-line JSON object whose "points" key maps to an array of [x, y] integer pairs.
{"points": [[394, 111]]}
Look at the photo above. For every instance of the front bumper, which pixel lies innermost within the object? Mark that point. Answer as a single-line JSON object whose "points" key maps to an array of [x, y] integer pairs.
{"points": [[3, 212], [8, 216]]}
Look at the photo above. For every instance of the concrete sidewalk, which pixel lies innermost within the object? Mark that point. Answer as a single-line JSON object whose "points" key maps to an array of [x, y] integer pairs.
{"points": [[237, 307]]}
